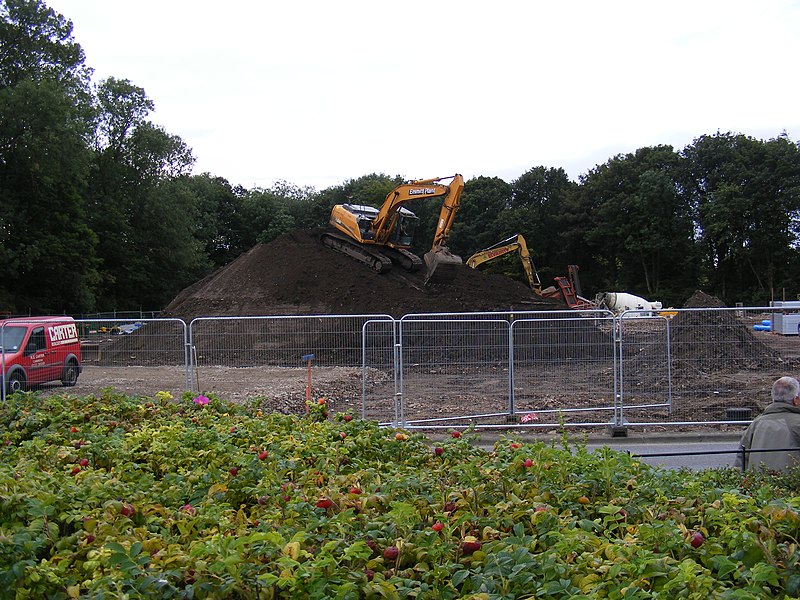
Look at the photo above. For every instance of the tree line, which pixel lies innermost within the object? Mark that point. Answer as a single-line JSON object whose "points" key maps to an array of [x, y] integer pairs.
{"points": [[99, 209]]}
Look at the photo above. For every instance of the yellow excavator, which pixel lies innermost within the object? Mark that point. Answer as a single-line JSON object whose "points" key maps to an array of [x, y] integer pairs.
{"points": [[380, 237], [516, 243]]}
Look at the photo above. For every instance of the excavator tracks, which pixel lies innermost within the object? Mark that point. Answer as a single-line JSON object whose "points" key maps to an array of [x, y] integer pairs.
{"points": [[407, 260], [374, 260]]}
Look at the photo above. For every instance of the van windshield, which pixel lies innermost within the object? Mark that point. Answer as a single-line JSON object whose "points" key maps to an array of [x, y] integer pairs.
{"points": [[11, 338]]}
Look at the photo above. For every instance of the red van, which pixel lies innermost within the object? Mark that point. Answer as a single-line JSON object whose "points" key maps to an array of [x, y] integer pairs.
{"points": [[37, 350]]}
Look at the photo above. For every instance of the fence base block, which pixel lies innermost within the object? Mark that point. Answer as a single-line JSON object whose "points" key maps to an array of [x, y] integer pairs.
{"points": [[618, 430]]}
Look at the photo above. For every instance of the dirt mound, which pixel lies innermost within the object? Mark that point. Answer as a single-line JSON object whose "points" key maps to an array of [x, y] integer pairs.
{"points": [[700, 341], [734, 343], [295, 274], [702, 300]]}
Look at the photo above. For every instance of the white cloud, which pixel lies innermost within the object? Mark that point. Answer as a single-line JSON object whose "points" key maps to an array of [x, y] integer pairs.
{"points": [[318, 92]]}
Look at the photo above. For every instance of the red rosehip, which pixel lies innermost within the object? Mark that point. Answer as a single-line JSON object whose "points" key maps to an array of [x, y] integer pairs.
{"points": [[391, 553], [324, 503], [233, 471], [74, 429], [438, 451], [75, 470], [355, 490], [437, 527], [127, 510], [470, 546], [84, 462], [347, 418], [697, 539], [456, 434], [528, 463], [263, 455]]}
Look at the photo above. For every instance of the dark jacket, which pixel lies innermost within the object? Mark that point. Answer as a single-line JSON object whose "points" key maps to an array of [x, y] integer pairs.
{"points": [[777, 427]]}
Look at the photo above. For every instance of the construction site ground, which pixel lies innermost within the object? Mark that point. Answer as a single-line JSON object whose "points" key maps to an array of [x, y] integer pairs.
{"points": [[297, 275]]}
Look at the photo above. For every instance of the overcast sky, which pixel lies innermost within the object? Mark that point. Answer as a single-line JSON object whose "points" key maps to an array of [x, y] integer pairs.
{"points": [[319, 92]]}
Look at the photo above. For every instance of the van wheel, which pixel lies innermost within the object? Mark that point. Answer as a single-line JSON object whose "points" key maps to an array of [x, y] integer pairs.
{"points": [[16, 382], [69, 377]]}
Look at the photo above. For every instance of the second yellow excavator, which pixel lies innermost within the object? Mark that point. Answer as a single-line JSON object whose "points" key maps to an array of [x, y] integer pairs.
{"points": [[379, 237], [516, 243]]}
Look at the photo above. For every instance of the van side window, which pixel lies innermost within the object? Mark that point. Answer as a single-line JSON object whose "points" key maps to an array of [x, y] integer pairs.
{"points": [[36, 341]]}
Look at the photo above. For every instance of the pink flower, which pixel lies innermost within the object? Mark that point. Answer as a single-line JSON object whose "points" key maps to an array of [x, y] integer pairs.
{"points": [[529, 418], [200, 400]]}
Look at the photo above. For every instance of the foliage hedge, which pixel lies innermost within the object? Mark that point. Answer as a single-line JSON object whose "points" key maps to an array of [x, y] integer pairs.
{"points": [[113, 496]]}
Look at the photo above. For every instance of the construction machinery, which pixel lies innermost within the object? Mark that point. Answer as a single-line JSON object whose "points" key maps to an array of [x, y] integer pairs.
{"points": [[568, 290], [381, 236], [516, 243]]}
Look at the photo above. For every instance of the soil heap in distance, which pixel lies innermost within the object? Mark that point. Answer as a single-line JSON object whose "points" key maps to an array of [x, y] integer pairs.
{"points": [[295, 274]]}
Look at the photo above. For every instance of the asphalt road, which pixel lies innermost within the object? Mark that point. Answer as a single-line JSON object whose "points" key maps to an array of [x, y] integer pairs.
{"points": [[676, 453], [674, 450]]}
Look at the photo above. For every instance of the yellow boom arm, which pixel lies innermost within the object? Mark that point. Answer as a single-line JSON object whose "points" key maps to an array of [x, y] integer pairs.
{"points": [[516, 243]]}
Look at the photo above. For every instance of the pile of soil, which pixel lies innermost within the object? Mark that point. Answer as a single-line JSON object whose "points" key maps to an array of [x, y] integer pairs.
{"points": [[701, 342], [736, 347], [296, 274]]}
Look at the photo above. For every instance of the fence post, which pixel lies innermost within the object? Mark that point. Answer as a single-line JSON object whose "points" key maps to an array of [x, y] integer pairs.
{"points": [[743, 450]]}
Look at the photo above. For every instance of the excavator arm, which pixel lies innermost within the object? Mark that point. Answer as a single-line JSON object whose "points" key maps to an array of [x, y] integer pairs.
{"points": [[516, 243], [386, 220], [379, 237]]}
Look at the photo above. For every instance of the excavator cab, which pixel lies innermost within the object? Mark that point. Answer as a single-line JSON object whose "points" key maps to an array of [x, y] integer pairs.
{"points": [[402, 235]]}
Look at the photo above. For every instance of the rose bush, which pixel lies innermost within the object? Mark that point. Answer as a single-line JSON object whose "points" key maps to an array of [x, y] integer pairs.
{"points": [[186, 499]]}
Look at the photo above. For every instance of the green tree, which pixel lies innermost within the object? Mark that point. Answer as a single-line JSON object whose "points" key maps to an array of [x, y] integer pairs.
{"points": [[536, 212], [477, 224], [266, 217], [36, 44], [631, 228], [745, 194], [47, 251], [221, 221], [135, 159]]}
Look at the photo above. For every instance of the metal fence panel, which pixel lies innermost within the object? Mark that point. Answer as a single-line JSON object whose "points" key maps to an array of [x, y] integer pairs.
{"points": [[270, 359], [135, 357], [380, 387], [714, 357], [644, 367], [453, 370], [564, 369], [686, 366]]}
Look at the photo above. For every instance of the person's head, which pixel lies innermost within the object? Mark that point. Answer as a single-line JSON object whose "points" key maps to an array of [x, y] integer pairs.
{"points": [[786, 390]]}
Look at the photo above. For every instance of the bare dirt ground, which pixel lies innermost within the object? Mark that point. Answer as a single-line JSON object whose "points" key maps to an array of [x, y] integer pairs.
{"points": [[436, 395], [319, 281]]}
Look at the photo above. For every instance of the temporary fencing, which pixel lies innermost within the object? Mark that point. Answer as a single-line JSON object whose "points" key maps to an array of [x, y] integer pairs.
{"points": [[537, 369]]}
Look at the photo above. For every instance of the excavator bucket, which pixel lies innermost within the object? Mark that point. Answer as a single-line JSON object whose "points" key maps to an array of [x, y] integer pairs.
{"points": [[442, 266]]}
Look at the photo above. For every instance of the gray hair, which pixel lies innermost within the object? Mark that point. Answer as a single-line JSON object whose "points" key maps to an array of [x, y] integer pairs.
{"points": [[785, 390]]}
